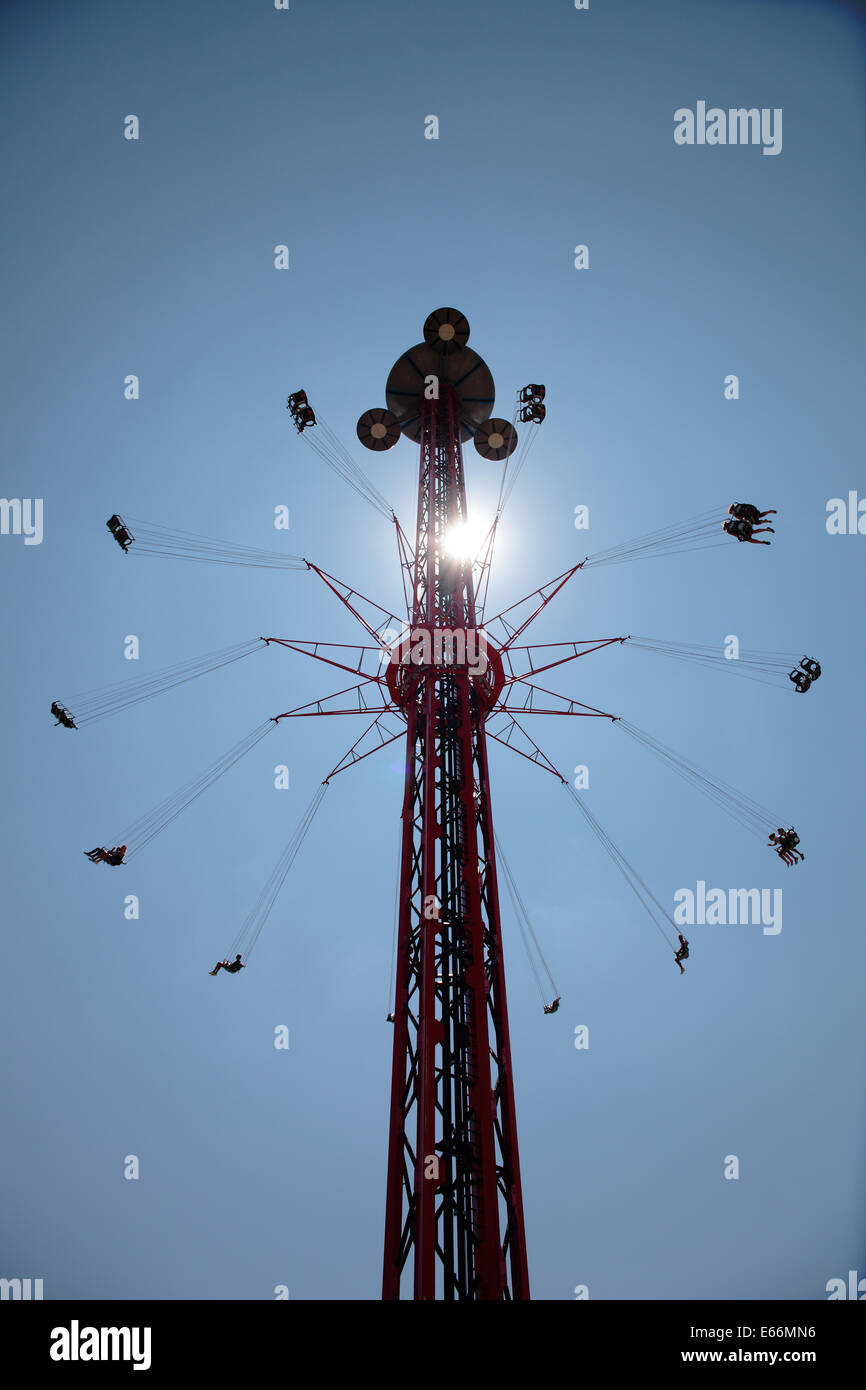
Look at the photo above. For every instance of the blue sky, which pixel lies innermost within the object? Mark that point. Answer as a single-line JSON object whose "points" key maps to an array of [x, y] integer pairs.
{"points": [[155, 257]]}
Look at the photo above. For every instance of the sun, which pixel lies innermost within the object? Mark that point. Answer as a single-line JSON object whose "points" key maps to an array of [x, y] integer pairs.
{"points": [[464, 539]]}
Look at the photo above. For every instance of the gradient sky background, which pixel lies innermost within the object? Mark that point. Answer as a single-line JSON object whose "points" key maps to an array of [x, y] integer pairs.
{"points": [[260, 1167]]}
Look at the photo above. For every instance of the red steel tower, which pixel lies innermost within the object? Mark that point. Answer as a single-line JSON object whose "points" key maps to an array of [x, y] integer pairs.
{"points": [[454, 1212], [454, 1225], [454, 1207]]}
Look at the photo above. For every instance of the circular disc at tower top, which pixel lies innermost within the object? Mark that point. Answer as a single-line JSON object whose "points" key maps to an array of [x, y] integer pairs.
{"points": [[378, 429], [446, 329], [462, 369], [495, 439]]}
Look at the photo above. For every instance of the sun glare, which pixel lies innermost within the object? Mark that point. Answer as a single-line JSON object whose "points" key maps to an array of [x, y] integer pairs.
{"points": [[464, 541]]}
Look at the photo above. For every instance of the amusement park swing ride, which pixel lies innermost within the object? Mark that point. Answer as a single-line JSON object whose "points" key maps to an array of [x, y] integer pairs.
{"points": [[451, 680]]}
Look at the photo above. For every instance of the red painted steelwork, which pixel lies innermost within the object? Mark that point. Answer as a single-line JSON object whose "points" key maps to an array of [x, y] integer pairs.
{"points": [[454, 1211]]}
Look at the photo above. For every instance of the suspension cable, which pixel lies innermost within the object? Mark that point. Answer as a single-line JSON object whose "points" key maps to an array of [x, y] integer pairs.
{"points": [[511, 471], [699, 532], [524, 922], [767, 668], [152, 539], [254, 922], [111, 699], [333, 452], [735, 803], [153, 822], [392, 984], [644, 895]]}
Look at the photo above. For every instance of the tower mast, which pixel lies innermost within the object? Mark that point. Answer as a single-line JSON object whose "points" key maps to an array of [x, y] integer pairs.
{"points": [[454, 1209]]}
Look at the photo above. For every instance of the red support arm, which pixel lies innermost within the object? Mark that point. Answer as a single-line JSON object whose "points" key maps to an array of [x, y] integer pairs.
{"points": [[507, 739], [407, 566], [486, 566], [566, 706], [591, 644], [321, 706], [353, 755], [554, 586], [315, 650], [337, 586]]}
